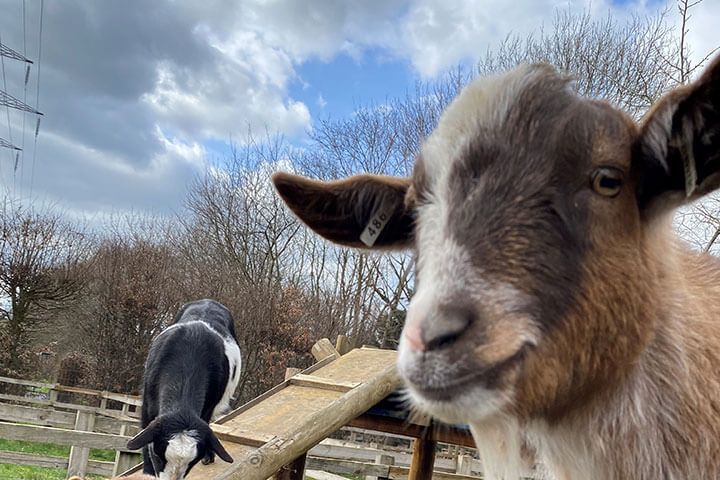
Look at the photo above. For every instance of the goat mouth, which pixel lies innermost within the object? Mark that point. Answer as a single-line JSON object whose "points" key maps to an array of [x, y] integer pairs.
{"points": [[489, 377]]}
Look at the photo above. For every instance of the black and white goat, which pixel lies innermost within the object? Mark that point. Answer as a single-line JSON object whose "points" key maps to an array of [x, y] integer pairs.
{"points": [[191, 372]]}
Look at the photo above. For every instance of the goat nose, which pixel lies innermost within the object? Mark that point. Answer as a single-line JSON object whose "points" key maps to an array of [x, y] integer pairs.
{"points": [[445, 326]]}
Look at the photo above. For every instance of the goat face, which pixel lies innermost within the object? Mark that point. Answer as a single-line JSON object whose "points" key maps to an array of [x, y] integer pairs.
{"points": [[532, 213], [176, 442]]}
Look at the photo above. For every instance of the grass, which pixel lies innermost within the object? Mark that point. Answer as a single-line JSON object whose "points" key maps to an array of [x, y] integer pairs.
{"points": [[22, 472], [52, 449]]}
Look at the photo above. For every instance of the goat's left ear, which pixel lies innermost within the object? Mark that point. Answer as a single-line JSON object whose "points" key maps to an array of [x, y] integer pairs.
{"points": [[145, 436], [679, 145], [217, 447], [366, 211]]}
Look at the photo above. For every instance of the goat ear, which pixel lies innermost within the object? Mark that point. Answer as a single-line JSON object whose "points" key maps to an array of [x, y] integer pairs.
{"points": [[217, 447], [145, 436], [366, 211], [679, 146]]}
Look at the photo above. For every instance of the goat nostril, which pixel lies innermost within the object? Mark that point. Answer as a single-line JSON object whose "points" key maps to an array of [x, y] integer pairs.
{"points": [[438, 343], [446, 326]]}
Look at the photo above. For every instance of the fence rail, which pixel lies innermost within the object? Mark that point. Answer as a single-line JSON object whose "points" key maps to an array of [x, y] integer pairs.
{"points": [[38, 416]]}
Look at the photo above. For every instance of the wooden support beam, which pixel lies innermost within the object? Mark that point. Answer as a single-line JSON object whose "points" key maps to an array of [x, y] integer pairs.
{"points": [[294, 470], [423, 459], [343, 344], [322, 383], [323, 349], [395, 426]]}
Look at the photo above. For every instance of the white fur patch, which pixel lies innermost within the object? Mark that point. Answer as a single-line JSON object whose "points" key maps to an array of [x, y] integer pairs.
{"points": [[482, 103], [232, 353], [181, 450]]}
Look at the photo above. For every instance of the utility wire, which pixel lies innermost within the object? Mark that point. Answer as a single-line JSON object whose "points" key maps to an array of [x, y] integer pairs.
{"points": [[5, 52], [21, 154], [37, 96]]}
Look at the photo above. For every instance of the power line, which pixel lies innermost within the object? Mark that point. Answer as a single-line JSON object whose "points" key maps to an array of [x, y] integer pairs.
{"points": [[8, 52], [21, 154], [37, 96], [4, 143], [12, 102]]}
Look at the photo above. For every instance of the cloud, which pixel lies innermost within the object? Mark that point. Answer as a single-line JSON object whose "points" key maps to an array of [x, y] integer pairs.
{"points": [[702, 35], [133, 90], [124, 85]]}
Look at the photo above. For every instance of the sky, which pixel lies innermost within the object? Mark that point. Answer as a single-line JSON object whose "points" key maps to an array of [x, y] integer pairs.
{"points": [[138, 97]]}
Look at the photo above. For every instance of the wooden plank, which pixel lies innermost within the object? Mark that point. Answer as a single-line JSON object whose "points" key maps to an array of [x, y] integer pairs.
{"points": [[78, 390], [313, 381], [45, 461], [120, 397], [423, 459], [251, 439], [124, 461], [282, 413], [36, 416], [270, 393], [438, 433], [133, 400], [130, 417], [403, 473], [79, 456], [32, 433], [343, 344], [464, 464], [294, 470], [96, 467], [320, 475], [270, 457], [382, 459], [323, 349], [28, 383], [347, 467]]}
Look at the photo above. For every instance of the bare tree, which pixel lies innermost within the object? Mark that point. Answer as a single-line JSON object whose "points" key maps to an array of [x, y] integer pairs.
{"points": [[131, 293], [42, 259]]}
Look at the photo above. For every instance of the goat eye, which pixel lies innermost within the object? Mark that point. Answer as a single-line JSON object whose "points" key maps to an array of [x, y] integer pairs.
{"points": [[607, 181]]}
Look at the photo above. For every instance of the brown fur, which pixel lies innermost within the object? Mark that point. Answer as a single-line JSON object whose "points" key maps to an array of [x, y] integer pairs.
{"points": [[589, 324]]}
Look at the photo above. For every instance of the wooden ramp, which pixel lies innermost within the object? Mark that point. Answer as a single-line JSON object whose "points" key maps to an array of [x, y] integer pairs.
{"points": [[282, 424]]}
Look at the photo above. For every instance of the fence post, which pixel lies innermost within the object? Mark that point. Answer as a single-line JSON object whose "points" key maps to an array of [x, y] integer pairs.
{"points": [[53, 396], [124, 460], [381, 459], [464, 464], [343, 344], [77, 463], [423, 459]]}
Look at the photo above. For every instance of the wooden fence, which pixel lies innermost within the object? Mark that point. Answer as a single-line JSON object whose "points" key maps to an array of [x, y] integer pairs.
{"points": [[34, 413], [37, 415]]}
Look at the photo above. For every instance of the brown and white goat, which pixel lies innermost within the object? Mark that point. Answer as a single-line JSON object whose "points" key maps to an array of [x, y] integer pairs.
{"points": [[553, 299]]}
